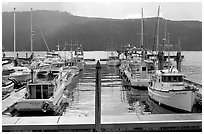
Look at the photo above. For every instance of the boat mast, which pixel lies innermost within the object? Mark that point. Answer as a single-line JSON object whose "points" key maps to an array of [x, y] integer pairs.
{"points": [[168, 52], [164, 39], [31, 32], [157, 36], [14, 33], [77, 52], [179, 58], [58, 47], [71, 51], [142, 42]]}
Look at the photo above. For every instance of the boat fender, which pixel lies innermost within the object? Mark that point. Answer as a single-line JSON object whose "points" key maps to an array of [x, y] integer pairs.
{"points": [[45, 106]]}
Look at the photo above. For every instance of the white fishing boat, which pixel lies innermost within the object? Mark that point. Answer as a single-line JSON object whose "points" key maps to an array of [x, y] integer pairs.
{"points": [[45, 91], [168, 88], [138, 69], [113, 59], [139, 73], [79, 57]]}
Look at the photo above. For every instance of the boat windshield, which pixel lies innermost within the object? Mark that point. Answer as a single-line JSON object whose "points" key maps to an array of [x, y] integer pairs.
{"points": [[172, 78], [47, 75], [113, 57]]}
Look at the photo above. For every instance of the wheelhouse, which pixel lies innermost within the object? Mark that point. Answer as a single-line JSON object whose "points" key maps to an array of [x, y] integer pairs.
{"points": [[172, 78]]}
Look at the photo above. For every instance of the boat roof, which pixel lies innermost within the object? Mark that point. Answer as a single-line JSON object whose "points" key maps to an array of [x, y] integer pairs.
{"points": [[170, 72]]}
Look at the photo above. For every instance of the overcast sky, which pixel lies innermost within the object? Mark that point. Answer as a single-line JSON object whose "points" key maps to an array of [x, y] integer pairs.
{"points": [[117, 10]]}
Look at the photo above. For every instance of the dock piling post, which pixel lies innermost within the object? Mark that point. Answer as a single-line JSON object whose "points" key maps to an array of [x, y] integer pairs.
{"points": [[26, 55], [98, 98]]}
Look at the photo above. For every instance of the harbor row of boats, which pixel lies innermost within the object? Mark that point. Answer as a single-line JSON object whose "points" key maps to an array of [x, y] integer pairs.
{"points": [[47, 80], [154, 71]]}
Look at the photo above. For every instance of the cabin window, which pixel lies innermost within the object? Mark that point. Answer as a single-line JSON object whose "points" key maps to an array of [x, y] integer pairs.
{"points": [[50, 90], [45, 91], [172, 78], [38, 92], [150, 67], [41, 74], [143, 68]]}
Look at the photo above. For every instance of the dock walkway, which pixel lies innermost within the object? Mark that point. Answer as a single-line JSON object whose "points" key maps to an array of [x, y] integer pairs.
{"points": [[156, 122]]}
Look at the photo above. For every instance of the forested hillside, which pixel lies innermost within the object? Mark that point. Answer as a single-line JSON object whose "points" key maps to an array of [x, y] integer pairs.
{"points": [[93, 33]]}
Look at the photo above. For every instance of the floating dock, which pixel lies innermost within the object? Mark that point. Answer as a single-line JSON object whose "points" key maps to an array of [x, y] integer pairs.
{"points": [[132, 123], [157, 122]]}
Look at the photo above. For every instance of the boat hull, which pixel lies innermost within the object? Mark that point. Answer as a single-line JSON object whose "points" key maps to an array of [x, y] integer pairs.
{"points": [[8, 88], [39, 104], [113, 63], [33, 105], [137, 82], [19, 77], [178, 99]]}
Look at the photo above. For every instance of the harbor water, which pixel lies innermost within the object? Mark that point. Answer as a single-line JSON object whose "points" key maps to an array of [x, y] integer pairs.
{"points": [[115, 98]]}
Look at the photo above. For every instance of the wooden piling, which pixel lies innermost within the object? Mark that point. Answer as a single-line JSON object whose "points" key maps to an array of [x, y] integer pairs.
{"points": [[98, 98]]}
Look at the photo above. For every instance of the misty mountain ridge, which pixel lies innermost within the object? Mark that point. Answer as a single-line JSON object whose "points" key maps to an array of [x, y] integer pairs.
{"points": [[93, 33]]}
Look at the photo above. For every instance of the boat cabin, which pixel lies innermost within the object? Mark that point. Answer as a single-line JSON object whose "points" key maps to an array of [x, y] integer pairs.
{"points": [[141, 69], [47, 75], [40, 91]]}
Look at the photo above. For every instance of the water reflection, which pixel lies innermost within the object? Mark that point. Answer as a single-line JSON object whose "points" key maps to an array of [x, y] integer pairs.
{"points": [[116, 99]]}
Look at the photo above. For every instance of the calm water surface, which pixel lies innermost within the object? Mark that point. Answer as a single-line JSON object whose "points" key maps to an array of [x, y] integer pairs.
{"points": [[115, 99]]}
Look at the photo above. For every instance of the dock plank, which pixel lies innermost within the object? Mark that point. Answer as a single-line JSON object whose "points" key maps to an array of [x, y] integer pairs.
{"points": [[159, 122], [170, 117], [48, 120], [10, 120]]}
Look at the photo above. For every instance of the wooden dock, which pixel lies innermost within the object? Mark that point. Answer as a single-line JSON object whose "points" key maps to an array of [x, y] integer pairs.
{"points": [[157, 122]]}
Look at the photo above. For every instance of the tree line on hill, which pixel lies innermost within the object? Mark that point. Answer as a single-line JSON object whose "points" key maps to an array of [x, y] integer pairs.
{"points": [[94, 34]]}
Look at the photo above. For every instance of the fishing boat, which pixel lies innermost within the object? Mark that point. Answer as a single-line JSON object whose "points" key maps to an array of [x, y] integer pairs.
{"points": [[138, 69], [113, 59], [139, 73], [168, 88], [45, 91], [79, 57]]}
